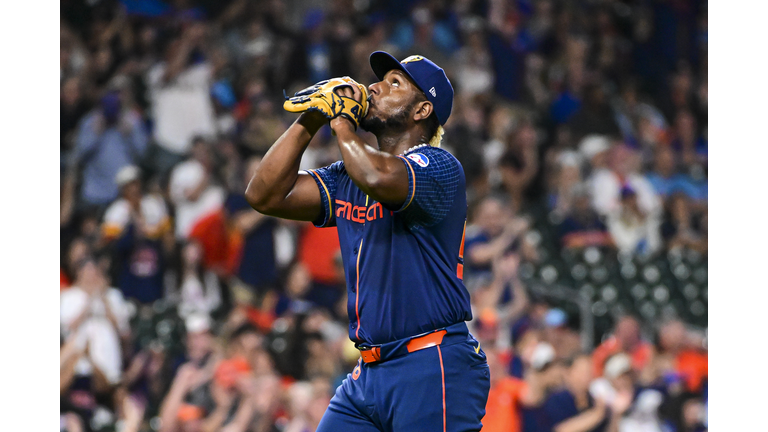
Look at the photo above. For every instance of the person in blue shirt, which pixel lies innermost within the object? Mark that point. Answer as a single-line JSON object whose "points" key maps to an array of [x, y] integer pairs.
{"points": [[666, 181], [400, 211], [109, 138], [258, 240], [573, 409]]}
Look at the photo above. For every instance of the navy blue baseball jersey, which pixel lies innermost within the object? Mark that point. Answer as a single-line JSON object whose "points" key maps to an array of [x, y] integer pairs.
{"points": [[403, 266]]}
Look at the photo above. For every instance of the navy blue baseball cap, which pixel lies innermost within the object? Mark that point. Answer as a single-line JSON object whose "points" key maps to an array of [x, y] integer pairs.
{"points": [[429, 77]]}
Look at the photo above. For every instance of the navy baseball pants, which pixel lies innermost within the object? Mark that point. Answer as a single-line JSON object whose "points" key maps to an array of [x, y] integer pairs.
{"points": [[443, 388]]}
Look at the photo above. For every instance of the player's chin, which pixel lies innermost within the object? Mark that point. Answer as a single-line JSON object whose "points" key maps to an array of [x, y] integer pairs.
{"points": [[370, 123]]}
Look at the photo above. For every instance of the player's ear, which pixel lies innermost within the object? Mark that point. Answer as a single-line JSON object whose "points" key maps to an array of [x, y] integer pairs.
{"points": [[423, 110]]}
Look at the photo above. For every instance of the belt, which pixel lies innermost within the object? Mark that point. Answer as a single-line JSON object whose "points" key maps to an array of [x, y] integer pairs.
{"points": [[446, 336]]}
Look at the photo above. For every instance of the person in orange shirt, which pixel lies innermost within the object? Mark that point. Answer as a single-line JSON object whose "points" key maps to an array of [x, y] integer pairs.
{"points": [[626, 339], [685, 353], [509, 394], [320, 253]]}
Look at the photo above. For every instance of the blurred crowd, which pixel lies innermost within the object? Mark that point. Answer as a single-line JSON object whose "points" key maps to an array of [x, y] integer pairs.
{"points": [[182, 309]]}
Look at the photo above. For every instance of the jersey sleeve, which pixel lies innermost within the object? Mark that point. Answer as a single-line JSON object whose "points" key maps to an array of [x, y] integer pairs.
{"points": [[326, 179], [433, 180]]}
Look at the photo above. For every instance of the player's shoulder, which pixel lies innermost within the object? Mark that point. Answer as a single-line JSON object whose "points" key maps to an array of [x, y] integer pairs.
{"points": [[435, 158], [426, 155]]}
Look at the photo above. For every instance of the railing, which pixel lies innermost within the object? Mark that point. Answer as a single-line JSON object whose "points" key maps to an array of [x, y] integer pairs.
{"points": [[581, 300]]}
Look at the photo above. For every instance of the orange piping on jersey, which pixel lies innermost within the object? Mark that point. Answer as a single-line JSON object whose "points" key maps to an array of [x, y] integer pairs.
{"points": [[413, 175], [460, 266], [442, 375], [330, 204], [357, 290]]}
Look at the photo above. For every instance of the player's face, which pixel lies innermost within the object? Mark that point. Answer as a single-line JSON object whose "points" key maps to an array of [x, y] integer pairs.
{"points": [[391, 103]]}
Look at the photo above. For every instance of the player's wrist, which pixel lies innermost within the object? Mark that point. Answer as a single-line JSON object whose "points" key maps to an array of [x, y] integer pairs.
{"points": [[312, 121], [341, 124]]}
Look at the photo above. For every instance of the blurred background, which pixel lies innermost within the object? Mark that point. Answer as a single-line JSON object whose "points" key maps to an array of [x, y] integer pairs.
{"points": [[582, 129]]}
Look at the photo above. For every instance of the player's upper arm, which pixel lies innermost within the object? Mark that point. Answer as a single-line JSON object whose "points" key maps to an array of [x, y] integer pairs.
{"points": [[433, 181], [311, 198], [325, 180], [302, 203]]}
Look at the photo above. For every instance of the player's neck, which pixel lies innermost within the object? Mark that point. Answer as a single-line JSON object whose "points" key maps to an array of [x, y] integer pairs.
{"points": [[396, 143]]}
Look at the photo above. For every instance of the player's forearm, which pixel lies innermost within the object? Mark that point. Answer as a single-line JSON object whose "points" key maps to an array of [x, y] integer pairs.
{"points": [[380, 175], [278, 171]]}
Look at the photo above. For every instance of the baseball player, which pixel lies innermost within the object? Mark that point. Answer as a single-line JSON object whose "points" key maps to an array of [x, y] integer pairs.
{"points": [[401, 213]]}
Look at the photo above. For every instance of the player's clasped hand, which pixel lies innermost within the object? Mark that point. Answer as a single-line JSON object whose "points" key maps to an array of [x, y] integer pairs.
{"points": [[333, 98]]}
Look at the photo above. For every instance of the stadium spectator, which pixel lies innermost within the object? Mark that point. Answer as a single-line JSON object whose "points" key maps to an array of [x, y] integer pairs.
{"points": [[508, 395], [683, 354], [595, 116], [575, 409], [190, 397], [582, 227], [179, 89], [319, 252], [633, 229], [97, 317], [682, 228], [689, 146], [199, 290], [666, 180], [494, 231], [258, 265], [520, 163], [567, 181], [109, 138], [73, 107], [136, 224], [619, 381], [607, 184], [199, 203], [595, 150], [557, 333], [624, 339]]}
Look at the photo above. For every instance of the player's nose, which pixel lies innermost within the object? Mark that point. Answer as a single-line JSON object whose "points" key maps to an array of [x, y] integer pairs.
{"points": [[374, 88]]}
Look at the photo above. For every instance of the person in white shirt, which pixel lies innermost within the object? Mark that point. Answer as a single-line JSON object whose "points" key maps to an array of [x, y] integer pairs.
{"points": [[148, 209], [179, 93], [97, 317], [606, 184], [135, 226], [618, 379], [634, 230], [192, 191], [199, 290]]}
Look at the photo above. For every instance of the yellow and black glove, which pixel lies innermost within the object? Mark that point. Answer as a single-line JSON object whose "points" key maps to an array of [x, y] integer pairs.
{"points": [[322, 97]]}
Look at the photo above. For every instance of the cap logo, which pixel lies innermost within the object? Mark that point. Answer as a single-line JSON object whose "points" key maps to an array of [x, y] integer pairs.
{"points": [[412, 58], [433, 92]]}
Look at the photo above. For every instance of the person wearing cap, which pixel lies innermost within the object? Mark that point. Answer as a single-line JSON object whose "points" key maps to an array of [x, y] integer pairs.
{"points": [[633, 229], [574, 409], [510, 395], [109, 138], [134, 225], [400, 211], [619, 381], [188, 399]]}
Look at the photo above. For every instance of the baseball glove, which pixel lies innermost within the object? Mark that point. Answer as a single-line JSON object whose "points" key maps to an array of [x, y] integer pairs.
{"points": [[321, 97]]}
